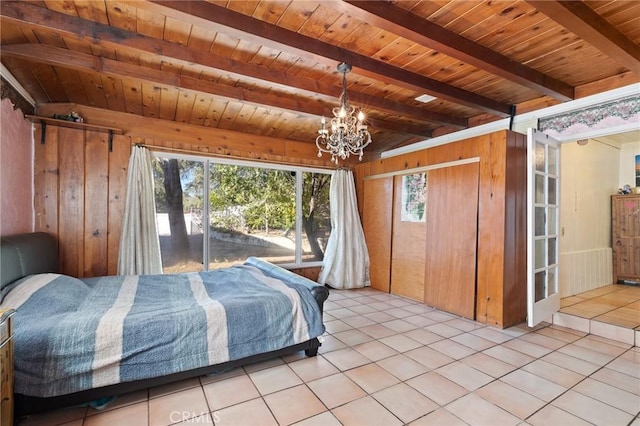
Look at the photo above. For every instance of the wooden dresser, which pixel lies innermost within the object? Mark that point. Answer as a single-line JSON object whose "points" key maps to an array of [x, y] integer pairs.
{"points": [[6, 368], [625, 237]]}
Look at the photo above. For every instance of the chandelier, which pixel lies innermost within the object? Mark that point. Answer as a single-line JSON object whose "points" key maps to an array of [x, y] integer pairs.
{"points": [[348, 134]]}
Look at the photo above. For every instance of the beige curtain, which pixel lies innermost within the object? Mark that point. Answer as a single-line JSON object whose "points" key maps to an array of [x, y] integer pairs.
{"points": [[346, 258], [139, 244]]}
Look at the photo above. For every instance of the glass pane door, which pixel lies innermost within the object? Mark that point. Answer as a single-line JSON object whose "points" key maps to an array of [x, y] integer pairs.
{"points": [[543, 185]]}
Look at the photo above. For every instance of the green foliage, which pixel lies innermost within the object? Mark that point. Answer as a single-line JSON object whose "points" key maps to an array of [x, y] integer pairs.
{"points": [[264, 198]]}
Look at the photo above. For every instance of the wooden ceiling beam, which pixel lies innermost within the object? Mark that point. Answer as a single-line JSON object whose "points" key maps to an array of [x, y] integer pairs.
{"points": [[402, 22], [211, 16], [580, 19], [40, 18], [83, 62]]}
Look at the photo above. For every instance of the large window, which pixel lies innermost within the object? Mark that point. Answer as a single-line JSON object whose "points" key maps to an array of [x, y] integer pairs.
{"points": [[277, 213]]}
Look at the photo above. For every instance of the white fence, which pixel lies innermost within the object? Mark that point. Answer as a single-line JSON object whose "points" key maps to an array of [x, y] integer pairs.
{"points": [[162, 219]]}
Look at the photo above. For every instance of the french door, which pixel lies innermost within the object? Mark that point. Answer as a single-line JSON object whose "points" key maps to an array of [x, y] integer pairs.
{"points": [[543, 224]]}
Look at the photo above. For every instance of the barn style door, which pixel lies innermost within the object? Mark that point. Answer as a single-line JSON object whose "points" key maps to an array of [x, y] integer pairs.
{"points": [[451, 239]]}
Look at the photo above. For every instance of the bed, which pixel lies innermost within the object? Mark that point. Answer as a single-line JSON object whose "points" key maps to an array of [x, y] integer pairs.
{"points": [[78, 340]]}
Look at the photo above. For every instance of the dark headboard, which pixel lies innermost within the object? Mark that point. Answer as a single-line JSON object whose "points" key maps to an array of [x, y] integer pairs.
{"points": [[27, 254]]}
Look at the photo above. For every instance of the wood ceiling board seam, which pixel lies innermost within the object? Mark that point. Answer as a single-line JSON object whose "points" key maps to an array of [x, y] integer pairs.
{"points": [[113, 90], [341, 30], [264, 58], [168, 103], [201, 39], [149, 24], [66, 7], [499, 39], [95, 50], [361, 34], [423, 8], [415, 55], [295, 15], [229, 115], [447, 12], [92, 10], [121, 15], [374, 45], [255, 115], [72, 85], [12, 33], [176, 31], [495, 21], [269, 11], [393, 50], [246, 7], [150, 100], [212, 117], [224, 45], [616, 12], [319, 22], [132, 92], [245, 51], [508, 40]]}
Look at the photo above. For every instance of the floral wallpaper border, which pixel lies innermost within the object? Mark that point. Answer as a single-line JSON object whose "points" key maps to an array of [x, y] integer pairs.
{"points": [[611, 114]]}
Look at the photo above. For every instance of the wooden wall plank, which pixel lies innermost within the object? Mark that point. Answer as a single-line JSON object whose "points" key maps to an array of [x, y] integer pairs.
{"points": [[71, 204], [95, 208], [491, 229], [46, 180], [118, 166], [515, 265]]}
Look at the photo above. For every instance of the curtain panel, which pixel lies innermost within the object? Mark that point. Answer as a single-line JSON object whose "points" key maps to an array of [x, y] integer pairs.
{"points": [[139, 243], [346, 259]]}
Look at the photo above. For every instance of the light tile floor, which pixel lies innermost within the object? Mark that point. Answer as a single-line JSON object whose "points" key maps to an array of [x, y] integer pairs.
{"points": [[386, 360]]}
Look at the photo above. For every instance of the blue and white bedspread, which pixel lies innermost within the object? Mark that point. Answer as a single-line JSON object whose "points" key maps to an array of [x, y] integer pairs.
{"points": [[72, 334]]}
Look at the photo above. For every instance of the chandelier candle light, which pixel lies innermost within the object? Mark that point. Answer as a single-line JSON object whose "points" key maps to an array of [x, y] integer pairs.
{"points": [[349, 134]]}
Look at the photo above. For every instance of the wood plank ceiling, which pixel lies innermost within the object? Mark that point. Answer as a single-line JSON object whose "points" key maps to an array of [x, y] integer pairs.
{"points": [[269, 67]]}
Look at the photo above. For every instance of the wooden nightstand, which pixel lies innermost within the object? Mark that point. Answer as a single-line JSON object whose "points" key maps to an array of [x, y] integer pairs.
{"points": [[6, 368]]}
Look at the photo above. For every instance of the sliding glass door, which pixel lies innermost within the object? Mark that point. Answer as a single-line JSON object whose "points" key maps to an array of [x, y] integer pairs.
{"points": [[278, 213]]}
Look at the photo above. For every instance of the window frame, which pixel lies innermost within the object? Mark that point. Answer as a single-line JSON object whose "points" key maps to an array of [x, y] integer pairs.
{"points": [[299, 170]]}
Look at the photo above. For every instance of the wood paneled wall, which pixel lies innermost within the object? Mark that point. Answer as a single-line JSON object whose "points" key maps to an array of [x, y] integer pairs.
{"points": [[501, 256], [79, 186], [79, 193]]}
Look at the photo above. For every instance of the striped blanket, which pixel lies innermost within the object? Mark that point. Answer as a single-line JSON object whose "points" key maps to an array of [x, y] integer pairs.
{"points": [[73, 335]]}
